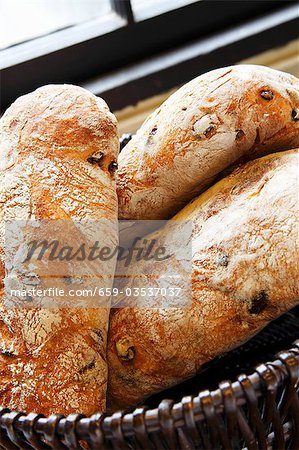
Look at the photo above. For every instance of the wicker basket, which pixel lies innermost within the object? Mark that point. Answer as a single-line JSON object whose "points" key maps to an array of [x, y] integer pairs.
{"points": [[259, 410]]}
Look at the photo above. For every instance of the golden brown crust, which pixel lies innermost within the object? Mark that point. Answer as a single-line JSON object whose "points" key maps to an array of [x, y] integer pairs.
{"points": [[245, 273], [202, 129], [54, 360]]}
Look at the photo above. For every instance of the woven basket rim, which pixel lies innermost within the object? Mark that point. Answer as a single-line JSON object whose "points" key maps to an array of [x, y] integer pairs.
{"points": [[124, 423]]}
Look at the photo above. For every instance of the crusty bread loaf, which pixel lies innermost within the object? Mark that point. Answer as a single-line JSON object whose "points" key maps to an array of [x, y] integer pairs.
{"points": [[58, 147], [244, 274], [202, 129]]}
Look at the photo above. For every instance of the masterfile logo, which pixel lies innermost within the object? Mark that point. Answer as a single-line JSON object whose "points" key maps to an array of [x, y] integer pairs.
{"points": [[67, 263]]}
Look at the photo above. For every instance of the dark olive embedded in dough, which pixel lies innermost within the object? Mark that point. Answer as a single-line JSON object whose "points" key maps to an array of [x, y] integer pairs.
{"points": [[259, 303], [239, 134], [113, 167]]}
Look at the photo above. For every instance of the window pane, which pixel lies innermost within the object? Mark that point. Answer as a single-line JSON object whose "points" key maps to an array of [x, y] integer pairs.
{"points": [[21, 20], [144, 9]]}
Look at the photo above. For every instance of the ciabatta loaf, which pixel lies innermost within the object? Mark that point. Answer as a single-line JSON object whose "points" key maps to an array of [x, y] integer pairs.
{"points": [[244, 274], [201, 129], [58, 151]]}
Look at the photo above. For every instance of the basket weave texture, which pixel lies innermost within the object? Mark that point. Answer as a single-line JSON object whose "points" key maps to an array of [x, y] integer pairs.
{"points": [[259, 411]]}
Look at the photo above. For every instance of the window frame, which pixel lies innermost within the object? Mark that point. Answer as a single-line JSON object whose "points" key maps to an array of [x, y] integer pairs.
{"points": [[166, 71], [58, 58]]}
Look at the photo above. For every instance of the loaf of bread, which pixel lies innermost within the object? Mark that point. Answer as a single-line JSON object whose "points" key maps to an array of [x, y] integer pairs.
{"points": [[204, 127], [58, 147], [244, 274]]}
